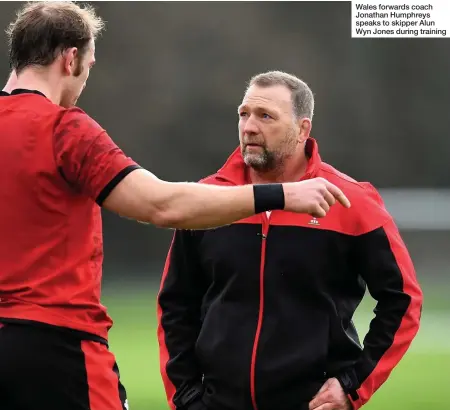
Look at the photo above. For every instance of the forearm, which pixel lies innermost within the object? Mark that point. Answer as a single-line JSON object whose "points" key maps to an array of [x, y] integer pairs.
{"points": [[182, 205], [178, 330], [142, 196], [199, 206], [384, 347]]}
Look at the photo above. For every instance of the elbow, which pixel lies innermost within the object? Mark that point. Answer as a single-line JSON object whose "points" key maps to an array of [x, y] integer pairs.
{"points": [[420, 306], [163, 218], [415, 308], [417, 297]]}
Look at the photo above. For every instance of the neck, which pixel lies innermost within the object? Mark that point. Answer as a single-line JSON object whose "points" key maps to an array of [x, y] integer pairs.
{"points": [[293, 169], [40, 80], [11, 83]]}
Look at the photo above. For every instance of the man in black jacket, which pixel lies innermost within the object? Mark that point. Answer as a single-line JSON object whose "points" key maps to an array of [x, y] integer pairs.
{"points": [[257, 315]]}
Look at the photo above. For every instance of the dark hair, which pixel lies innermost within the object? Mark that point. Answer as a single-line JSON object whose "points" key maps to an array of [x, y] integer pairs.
{"points": [[302, 96], [43, 29]]}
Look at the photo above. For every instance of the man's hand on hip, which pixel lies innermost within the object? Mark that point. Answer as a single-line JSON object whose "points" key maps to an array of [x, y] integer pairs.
{"points": [[314, 196], [330, 397]]}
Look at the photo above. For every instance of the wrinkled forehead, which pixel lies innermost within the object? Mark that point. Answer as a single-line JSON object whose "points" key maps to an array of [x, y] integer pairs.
{"points": [[276, 97]]}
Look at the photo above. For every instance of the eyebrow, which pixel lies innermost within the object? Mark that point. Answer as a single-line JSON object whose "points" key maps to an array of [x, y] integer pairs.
{"points": [[259, 108]]}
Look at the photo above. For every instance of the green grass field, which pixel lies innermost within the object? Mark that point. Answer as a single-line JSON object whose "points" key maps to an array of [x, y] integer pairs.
{"points": [[418, 383]]}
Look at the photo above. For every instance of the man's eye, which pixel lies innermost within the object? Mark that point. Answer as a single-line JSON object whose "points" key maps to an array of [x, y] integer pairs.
{"points": [[266, 116], [242, 114]]}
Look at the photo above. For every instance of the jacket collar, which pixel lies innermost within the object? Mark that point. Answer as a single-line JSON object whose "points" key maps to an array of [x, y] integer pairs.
{"points": [[18, 91], [235, 171]]}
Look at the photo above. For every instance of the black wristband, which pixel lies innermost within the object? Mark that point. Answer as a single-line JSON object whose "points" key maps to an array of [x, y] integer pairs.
{"points": [[268, 197]]}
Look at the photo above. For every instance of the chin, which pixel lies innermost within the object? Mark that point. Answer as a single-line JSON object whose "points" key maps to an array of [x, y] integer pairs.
{"points": [[255, 162]]}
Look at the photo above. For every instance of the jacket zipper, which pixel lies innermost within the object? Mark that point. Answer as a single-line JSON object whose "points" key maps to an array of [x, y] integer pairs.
{"points": [[265, 230]]}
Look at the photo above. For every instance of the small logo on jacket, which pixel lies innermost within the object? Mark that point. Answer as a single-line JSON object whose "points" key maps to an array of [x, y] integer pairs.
{"points": [[314, 222]]}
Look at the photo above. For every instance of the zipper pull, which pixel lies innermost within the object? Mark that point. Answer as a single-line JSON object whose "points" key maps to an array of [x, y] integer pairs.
{"points": [[262, 235]]}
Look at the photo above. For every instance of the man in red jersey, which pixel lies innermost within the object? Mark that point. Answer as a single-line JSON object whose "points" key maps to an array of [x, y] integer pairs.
{"points": [[58, 168], [257, 315]]}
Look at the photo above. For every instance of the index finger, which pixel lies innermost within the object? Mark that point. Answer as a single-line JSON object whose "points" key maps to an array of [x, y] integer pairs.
{"points": [[338, 194]]}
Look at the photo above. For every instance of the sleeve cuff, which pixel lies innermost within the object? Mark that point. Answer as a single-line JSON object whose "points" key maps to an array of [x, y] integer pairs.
{"points": [[349, 383], [114, 182], [189, 397]]}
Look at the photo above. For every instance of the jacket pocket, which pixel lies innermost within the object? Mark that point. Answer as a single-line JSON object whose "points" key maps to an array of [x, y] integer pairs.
{"points": [[292, 354]]}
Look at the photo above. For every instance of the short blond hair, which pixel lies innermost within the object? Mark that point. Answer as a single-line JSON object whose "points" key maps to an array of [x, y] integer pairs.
{"points": [[302, 96], [42, 29]]}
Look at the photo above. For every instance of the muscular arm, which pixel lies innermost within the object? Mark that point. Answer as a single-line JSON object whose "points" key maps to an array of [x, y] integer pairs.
{"points": [[144, 197]]}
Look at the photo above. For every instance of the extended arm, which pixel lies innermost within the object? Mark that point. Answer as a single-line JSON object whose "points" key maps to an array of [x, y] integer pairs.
{"points": [[144, 197]]}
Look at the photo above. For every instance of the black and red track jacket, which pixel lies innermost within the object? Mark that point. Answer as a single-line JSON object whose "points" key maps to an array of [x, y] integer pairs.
{"points": [[258, 314]]}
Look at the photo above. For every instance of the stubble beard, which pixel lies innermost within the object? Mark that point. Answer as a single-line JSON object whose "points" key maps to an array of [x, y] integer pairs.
{"points": [[269, 161], [263, 161]]}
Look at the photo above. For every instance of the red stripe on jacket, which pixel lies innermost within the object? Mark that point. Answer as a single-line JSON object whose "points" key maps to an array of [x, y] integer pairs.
{"points": [[163, 351], [409, 325]]}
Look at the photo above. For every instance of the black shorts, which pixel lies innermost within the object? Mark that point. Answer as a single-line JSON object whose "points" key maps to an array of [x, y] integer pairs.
{"points": [[44, 368]]}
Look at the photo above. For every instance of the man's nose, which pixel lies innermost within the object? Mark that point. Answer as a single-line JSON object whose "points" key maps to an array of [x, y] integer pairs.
{"points": [[251, 126]]}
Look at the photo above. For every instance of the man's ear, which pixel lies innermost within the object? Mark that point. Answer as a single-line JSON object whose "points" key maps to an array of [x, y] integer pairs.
{"points": [[304, 129], [69, 59]]}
